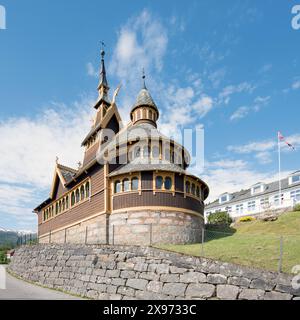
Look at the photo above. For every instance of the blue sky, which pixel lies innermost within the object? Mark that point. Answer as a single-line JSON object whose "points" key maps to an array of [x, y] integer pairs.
{"points": [[231, 66]]}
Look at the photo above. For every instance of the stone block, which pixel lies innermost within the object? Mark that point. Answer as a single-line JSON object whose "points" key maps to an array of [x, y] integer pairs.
{"points": [[174, 289], [227, 292], [162, 268], [126, 291], [239, 281], [262, 284], [118, 281], [174, 269], [155, 286], [193, 277], [127, 274], [112, 273], [273, 295], [201, 290], [139, 284], [165, 277], [216, 278], [251, 294]]}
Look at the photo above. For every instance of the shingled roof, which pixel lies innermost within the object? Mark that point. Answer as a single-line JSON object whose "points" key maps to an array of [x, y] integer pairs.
{"points": [[144, 99]]}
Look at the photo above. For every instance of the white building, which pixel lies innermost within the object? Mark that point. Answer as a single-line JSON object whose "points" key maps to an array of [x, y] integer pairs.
{"points": [[258, 198]]}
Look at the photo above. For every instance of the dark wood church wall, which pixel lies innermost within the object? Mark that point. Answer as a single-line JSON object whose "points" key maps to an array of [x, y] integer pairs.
{"points": [[160, 199]]}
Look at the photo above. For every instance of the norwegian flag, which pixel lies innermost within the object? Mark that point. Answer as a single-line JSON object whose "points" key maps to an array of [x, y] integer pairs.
{"points": [[281, 138]]}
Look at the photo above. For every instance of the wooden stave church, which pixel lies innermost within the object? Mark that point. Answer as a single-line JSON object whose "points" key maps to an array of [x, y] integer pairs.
{"points": [[132, 197]]}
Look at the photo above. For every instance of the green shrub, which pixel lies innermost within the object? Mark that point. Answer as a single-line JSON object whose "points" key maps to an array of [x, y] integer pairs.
{"points": [[3, 258], [297, 207], [219, 218], [246, 219]]}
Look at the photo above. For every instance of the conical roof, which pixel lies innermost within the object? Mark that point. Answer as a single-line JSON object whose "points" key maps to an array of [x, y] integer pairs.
{"points": [[144, 99]]}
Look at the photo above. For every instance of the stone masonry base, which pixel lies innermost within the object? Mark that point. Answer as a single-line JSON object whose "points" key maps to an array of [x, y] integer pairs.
{"points": [[132, 272], [132, 228]]}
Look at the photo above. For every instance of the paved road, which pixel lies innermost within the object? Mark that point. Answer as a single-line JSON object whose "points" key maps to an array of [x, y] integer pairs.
{"points": [[20, 290]]}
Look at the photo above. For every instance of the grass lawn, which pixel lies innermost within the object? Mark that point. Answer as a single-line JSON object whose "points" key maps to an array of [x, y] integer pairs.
{"points": [[254, 243]]}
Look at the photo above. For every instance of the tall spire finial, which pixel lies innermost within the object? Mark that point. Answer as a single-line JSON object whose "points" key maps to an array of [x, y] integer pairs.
{"points": [[103, 81], [144, 77]]}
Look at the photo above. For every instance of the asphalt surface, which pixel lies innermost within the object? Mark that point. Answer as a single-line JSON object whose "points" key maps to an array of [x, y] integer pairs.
{"points": [[20, 290]]}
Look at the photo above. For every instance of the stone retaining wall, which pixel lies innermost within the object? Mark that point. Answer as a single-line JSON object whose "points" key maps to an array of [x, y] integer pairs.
{"points": [[131, 272]]}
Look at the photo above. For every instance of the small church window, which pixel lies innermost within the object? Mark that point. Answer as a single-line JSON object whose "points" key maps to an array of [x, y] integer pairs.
{"points": [[56, 208], [63, 205], [168, 183], [117, 186], [67, 202], [158, 182], [134, 183], [73, 199], [87, 190], [126, 185], [81, 193], [77, 196], [193, 189], [150, 115], [187, 187], [198, 192]]}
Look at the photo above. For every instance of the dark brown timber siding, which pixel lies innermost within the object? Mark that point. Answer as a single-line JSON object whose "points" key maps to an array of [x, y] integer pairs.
{"points": [[147, 180], [160, 199], [81, 211]]}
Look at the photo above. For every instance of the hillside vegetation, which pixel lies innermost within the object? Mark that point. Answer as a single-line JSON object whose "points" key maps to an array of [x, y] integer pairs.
{"points": [[253, 243]]}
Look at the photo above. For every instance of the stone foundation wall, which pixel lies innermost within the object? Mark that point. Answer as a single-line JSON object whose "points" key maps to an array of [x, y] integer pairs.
{"points": [[90, 231], [132, 228], [131, 272]]}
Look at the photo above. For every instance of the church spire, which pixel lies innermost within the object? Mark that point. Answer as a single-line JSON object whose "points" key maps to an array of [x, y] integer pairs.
{"points": [[103, 81]]}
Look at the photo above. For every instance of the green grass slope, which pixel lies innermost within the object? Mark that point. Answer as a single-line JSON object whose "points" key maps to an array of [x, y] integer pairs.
{"points": [[255, 243]]}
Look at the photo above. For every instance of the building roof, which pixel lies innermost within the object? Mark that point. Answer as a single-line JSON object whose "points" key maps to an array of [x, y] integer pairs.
{"points": [[246, 194], [139, 164], [144, 99], [67, 172]]}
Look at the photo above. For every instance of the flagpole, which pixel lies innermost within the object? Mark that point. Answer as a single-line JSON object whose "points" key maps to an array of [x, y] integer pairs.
{"points": [[279, 167]]}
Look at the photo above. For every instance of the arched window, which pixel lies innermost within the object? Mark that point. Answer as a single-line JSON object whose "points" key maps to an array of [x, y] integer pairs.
{"points": [[155, 152], [63, 205], [67, 202], [77, 195], [146, 151], [193, 189], [198, 192], [158, 182], [59, 207], [126, 185], [56, 208], [72, 198], [87, 190], [167, 154], [187, 187], [81, 193], [168, 183], [117, 186], [150, 115], [135, 183], [137, 152]]}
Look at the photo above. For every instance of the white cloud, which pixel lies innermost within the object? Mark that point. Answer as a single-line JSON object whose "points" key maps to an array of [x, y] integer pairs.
{"points": [[240, 113], [91, 71], [31, 145], [227, 92], [296, 85], [258, 146], [203, 105]]}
